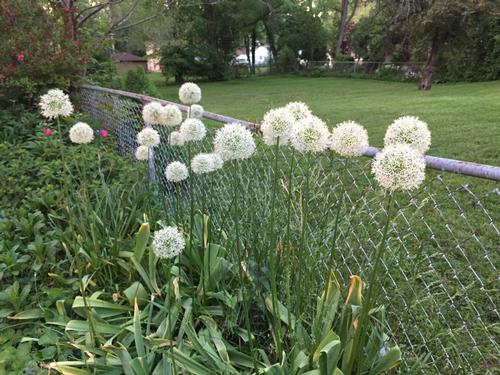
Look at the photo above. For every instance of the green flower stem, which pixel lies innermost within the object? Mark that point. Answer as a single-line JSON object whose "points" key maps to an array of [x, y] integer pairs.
{"points": [[305, 216], [191, 207], [359, 338], [274, 256], [170, 331]]}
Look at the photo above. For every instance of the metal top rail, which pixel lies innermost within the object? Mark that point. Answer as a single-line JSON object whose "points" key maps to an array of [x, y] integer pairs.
{"points": [[467, 168]]}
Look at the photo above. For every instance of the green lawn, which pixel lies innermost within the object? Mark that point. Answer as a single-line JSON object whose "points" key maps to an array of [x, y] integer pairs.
{"points": [[464, 118]]}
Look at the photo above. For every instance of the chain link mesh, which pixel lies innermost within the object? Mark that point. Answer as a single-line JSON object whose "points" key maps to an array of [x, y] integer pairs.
{"points": [[442, 287]]}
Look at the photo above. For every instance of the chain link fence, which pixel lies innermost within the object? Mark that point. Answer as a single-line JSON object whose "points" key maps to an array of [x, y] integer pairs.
{"points": [[442, 289]]}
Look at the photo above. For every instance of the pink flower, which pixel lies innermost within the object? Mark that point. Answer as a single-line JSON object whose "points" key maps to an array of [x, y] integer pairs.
{"points": [[104, 133], [47, 132], [20, 57]]}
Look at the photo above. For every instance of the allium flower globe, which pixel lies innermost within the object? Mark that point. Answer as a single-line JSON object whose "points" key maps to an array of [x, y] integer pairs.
{"points": [[299, 110], [399, 167], [81, 133], [190, 93], [142, 153], [55, 103], [202, 163], [193, 129], [310, 135], [168, 243], [277, 124], [349, 139], [409, 130], [196, 111], [152, 113], [176, 139], [234, 142], [176, 171], [172, 115], [148, 137]]}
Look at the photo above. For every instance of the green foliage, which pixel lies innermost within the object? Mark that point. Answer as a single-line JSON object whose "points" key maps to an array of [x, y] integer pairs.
{"points": [[137, 81], [37, 54], [302, 31], [287, 60]]}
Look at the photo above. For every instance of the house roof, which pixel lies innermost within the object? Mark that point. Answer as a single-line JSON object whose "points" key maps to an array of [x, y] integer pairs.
{"points": [[126, 57]]}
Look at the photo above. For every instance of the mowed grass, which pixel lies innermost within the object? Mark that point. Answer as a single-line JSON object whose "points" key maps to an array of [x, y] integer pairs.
{"points": [[464, 118]]}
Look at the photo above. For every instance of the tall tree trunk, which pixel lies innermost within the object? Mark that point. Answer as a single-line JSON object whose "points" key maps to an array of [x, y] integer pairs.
{"points": [[342, 24], [270, 40], [254, 45], [426, 75]]}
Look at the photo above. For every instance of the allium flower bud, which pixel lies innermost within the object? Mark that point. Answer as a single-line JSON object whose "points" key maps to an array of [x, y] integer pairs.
{"points": [[176, 171], [148, 137], [233, 142], [409, 130], [142, 153], [349, 139], [399, 167], [310, 135], [81, 133], [168, 243], [190, 93], [55, 103], [193, 129]]}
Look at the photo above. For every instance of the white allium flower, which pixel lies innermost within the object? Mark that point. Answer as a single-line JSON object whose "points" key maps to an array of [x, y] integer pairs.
{"points": [[172, 115], [196, 111], [349, 139], [233, 142], [152, 113], [277, 123], [299, 110], [217, 162], [193, 129], [176, 171], [142, 153], [168, 243], [176, 139], [81, 133], [148, 137], [399, 167], [310, 135], [409, 130], [190, 93], [55, 103], [202, 163]]}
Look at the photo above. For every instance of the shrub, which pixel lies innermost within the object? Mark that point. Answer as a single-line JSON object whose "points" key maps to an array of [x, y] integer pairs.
{"points": [[37, 54], [287, 60], [138, 81]]}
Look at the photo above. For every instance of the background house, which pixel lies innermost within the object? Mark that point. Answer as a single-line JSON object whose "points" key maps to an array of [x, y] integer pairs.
{"points": [[126, 61]]}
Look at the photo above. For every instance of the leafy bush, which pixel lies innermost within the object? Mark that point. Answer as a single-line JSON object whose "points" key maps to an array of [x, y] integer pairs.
{"points": [[137, 81], [37, 54], [287, 60]]}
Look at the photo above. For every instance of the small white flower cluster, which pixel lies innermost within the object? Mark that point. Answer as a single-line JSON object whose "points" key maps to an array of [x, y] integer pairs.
{"points": [[299, 110], [142, 153], [176, 139], [190, 93], [399, 167], [168, 243], [176, 172], [196, 111], [148, 137], [234, 142], [155, 114], [152, 113], [55, 103], [81, 133], [277, 126], [206, 163], [349, 139], [310, 135], [172, 115], [192, 130], [409, 130]]}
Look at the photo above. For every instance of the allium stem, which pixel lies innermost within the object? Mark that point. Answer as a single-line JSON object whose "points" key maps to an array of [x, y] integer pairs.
{"points": [[274, 255]]}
